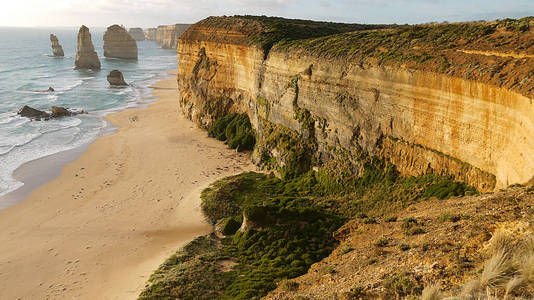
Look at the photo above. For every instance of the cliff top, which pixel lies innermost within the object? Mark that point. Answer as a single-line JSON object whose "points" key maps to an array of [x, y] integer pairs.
{"points": [[499, 53], [267, 31]]}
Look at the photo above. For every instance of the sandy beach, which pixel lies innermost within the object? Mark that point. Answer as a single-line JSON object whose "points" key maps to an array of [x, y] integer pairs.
{"points": [[118, 211]]}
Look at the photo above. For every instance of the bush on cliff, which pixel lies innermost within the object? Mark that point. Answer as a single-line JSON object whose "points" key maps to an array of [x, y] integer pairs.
{"points": [[236, 130], [295, 221]]}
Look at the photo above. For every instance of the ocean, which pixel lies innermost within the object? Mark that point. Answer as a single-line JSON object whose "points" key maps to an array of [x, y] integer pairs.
{"points": [[28, 69]]}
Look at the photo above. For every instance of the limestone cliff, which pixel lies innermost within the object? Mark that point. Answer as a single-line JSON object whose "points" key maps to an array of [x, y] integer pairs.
{"points": [[151, 33], [119, 44], [450, 99], [57, 50], [137, 34], [86, 57], [167, 35]]}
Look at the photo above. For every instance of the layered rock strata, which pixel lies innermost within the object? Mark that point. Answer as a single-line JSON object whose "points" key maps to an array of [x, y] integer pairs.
{"points": [[86, 57], [151, 34], [137, 34], [167, 35], [119, 44], [57, 50], [442, 111]]}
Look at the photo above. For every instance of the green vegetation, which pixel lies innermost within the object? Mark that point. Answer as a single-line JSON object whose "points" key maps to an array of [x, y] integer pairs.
{"points": [[398, 42], [236, 130], [401, 285], [290, 224], [281, 29]]}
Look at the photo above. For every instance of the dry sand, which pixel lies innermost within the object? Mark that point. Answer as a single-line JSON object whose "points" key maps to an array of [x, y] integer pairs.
{"points": [[117, 212]]}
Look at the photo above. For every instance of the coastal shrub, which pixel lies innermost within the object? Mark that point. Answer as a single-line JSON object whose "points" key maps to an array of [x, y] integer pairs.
{"points": [[293, 220], [446, 188], [231, 225], [401, 285], [236, 130]]}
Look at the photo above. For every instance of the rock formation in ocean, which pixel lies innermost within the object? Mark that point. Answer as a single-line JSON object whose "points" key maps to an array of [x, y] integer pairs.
{"points": [[86, 57], [58, 111], [115, 78], [151, 34], [32, 113], [50, 89], [57, 50], [137, 34], [38, 115], [423, 105], [119, 44]]}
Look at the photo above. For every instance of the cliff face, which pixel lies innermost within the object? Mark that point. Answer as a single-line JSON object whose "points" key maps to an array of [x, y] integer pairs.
{"points": [[470, 118], [150, 34], [57, 50], [137, 34], [86, 57], [167, 35], [119, 44]]}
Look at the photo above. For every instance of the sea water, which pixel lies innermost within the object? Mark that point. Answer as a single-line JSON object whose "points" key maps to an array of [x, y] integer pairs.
{"points": [[28, 69]]}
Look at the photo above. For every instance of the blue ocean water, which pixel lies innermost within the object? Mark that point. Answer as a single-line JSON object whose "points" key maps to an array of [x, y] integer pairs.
{"points": [[27, 69]]}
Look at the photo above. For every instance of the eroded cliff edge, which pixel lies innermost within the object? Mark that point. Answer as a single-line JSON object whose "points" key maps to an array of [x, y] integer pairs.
{"points": [[451, 99]]}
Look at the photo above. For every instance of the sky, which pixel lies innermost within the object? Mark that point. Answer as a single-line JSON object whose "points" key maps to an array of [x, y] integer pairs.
{"points": [[150, 13]]}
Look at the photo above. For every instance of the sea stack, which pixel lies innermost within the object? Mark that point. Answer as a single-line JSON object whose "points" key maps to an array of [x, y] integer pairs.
{"points": [[119, 44], [57, 50], [86, 57], [115, 78], [137, 34]]}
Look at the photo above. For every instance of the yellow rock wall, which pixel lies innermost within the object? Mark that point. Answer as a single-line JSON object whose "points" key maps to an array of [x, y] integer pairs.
{"points": [[421, 121]]}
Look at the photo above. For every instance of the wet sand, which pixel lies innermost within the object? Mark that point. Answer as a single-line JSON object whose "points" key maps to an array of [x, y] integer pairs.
{"points": [[118, 211]]}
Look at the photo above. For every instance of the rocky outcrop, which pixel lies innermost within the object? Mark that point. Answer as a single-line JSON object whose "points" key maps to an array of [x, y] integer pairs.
{"points": [[115, 78], [57, 50], [32, 113], [151, 34], [86, 57], [137, 34], [38, 115], [423, 108], [58, 111], [119, 44]]}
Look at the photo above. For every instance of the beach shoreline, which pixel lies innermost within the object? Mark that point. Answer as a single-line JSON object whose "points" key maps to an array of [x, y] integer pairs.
{"points": [[112, 216]]}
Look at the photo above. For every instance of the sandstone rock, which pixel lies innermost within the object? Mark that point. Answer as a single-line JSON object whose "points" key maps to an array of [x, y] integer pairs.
{"points": [[151, 34], [421, 121], [57, 50], [86, 57], [58, 111], [32, 113], [119, 44], [115, 78], [137, 34], [167, 35]]}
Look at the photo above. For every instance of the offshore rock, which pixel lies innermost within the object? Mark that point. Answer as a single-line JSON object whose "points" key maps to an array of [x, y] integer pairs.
{"points": [[115, 78], [137, 34], [86, 57], [58, 111], [57, 50], [119, 44], [32, 113]]}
